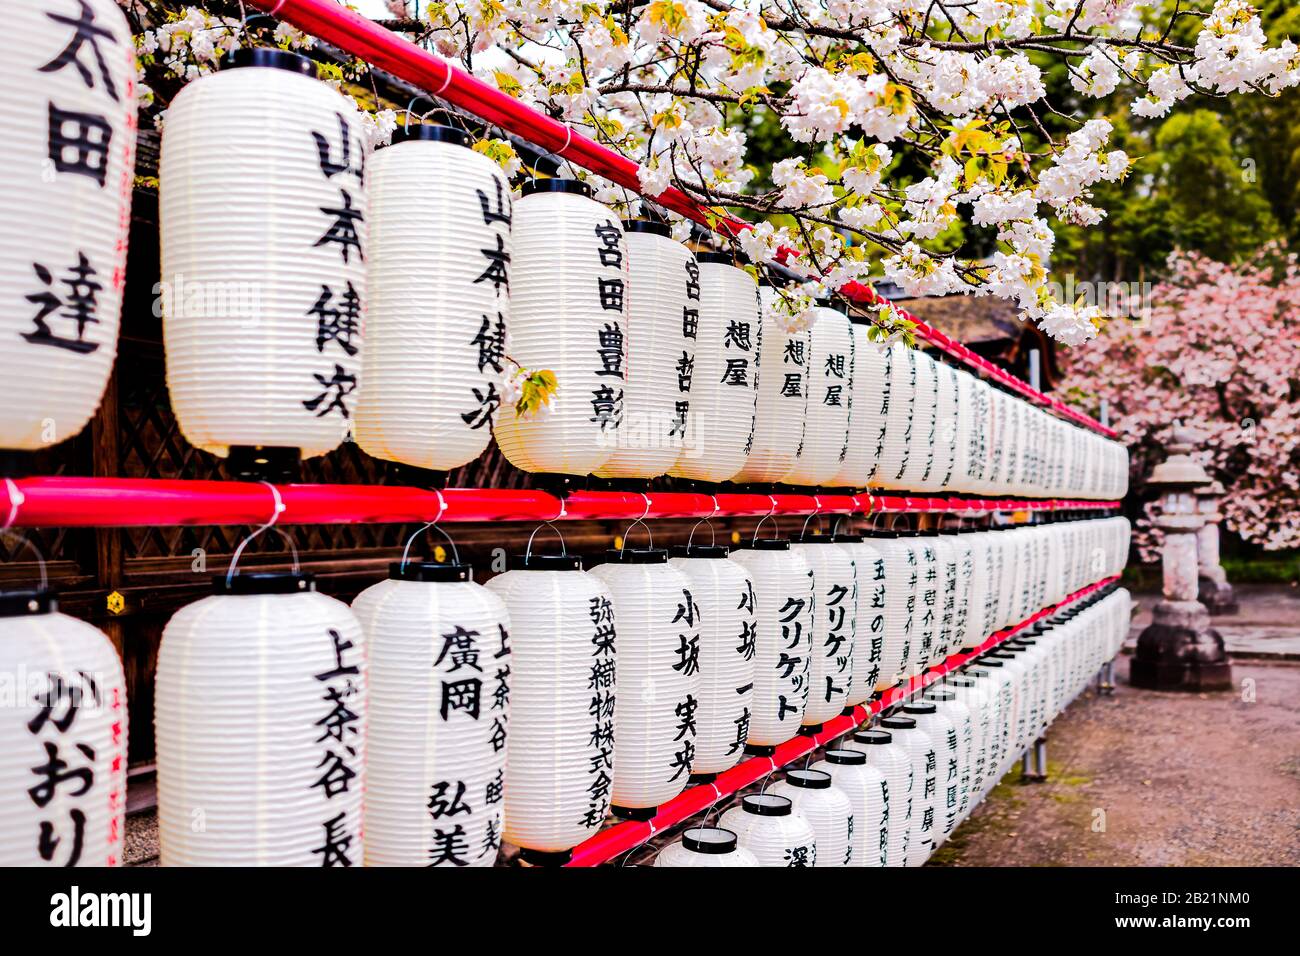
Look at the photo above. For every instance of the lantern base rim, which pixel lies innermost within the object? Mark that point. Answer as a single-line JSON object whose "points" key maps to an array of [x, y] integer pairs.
{"points": [[545, 857], [760, 750], [264, 462], [639, 814]]}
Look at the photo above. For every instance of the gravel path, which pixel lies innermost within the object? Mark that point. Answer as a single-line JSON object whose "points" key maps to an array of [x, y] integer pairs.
{"points": [[1155, 779]]}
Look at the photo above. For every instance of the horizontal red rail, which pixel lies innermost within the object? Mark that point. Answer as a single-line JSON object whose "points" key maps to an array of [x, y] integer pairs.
{"points": [[618, 839], [151, 502], [362, 37]]}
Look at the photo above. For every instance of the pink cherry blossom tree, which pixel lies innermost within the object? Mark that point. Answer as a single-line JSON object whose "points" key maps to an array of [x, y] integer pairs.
{"points": [[1218, 349]]}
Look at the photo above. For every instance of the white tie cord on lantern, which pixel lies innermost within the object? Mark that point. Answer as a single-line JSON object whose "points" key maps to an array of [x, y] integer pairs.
{"points": [[568, 300], [439, 300], [276, 362], [68, 156]]}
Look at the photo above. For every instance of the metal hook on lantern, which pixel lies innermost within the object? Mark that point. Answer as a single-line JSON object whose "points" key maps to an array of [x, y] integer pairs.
{"points": [[816, 513], [277, 510], [528, 552], [772, 499], [639, 521], [442, 508]]}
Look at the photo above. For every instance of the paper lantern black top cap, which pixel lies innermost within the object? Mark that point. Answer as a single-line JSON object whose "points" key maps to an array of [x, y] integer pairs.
{"points": [[547, 562], [712, 840], [873, 737], [726, 258], [428, 572], [699, 551], [766, 804], [264, 582], [770, 544], [898, 723], [271, 58], [921, 708], [636, 555], [809, 779], [431, 133], [848, 537], [652, 226], [846, 757], [30, 601], [575, 186]]}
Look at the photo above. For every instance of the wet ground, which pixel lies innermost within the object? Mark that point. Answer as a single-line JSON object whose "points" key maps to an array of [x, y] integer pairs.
{"points": [[1155, 779]]}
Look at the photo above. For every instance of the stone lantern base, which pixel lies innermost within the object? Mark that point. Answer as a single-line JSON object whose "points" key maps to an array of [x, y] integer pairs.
{"points": [[1180, 651], [1214, 591]]}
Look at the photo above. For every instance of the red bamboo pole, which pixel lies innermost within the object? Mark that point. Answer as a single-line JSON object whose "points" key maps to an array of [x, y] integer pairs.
{"points": [[152, 502], [618, 839], [362, 37]]}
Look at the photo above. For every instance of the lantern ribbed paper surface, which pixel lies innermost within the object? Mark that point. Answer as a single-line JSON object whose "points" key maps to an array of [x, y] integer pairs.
{"points": [[971, 694], [951, 706], [868, 616], [939, 477], [965, 446], [829, 397], [926, 614], [893, 449], [266, 352], [830, 667], [924, 756], [260, 718], [894, 761], [901, 579], [767, 825], [865, 787], [869, 413], [560, 755], [658, 622], [827, 808], [783, 584], [62, 738], [922, 440], [724, 382], [660, 353], [778, 416], [438, 303], [724, 593], [947, 558], [435, 771], [706, 847], [945, 738], [568, 295], [68, 156]]}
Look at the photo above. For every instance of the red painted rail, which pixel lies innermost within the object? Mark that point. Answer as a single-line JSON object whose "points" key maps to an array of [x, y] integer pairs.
{"points": [[151, 502], [618, 839], [362, 37]]}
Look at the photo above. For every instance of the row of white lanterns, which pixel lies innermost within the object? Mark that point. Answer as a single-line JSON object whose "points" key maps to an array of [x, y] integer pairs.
{"points": [[285, 242], [893, 794], [526, 709]]}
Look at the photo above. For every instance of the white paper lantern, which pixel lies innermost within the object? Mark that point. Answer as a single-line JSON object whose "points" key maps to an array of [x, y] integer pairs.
{"points": [[947, 561], [779, 412], [664, 289], [902, 575], [868, 616], [927, 614], [560, 753], [62, 738], [767, 825], [829, 398], [894, 448], [894, 761], [569, 293], [438, 300], [435, 773], [869, 415], [724, 592], [946, 740], [658, 621], [264, 343], [68, 156], [706, 847], [827, 808], [260, 719], [954, 701], [783, 583], [830, 666], [923, 439], [864, 786], [724, 383], [939, 475], [923, 830]]}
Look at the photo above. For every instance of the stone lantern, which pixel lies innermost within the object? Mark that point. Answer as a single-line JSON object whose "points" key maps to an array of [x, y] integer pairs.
{"points": [[1179, 650], [1215, 592]]}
